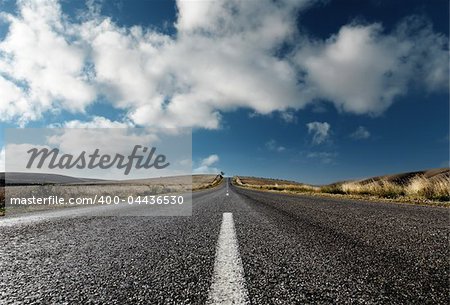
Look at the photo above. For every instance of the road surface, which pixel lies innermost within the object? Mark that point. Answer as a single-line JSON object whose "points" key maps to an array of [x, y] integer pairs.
{"points": [[246, 247]]}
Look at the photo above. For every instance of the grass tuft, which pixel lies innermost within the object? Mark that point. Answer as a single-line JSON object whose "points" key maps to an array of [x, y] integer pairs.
{"points": [[433, 189], [381, 188]]}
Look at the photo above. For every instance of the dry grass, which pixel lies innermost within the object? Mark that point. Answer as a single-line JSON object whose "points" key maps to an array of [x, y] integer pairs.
{"points": [[380, 188], [154, 186], [420, 187], [201, 182], [433, 189], [147, 187], [274, 184]]}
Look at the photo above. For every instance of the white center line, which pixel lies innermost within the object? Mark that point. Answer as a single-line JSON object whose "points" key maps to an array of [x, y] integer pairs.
{"points": [[228, 283]]}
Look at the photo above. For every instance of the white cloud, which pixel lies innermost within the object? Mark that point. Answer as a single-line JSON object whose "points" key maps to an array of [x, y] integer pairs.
{"points": [[18, 156], [288, 117], [319, 130], [273, 146], [210, 160], [350, 68], [75, 140], [360, 133], [362, 70], [225, 55], [96, 122], [43, 68], [324, 157], [426, 58], [197, 14], [206, 166]]}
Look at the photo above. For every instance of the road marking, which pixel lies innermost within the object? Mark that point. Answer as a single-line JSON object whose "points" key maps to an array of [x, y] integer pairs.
{"points": [[228, 283], [228, 180]]}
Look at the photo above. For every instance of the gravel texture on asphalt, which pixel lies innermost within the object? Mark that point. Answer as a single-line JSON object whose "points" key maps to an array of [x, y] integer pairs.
{"points": [[294, 250]]}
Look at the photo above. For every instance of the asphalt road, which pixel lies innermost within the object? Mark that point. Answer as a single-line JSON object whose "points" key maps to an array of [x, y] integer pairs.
{"points": [[266, 249]]}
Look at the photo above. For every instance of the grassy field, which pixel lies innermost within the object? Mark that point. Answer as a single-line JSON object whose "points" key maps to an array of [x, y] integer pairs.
{"points": [[201, 182], [123, 189], [423, 187]]}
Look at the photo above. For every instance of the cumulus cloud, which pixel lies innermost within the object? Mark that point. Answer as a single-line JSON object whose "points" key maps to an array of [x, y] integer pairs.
{"points": [[43, 68], [272, 145], [320, 131], [225, 55], [360, 133], [76, 139], [206, 166], [362, 70], [18, 156]]}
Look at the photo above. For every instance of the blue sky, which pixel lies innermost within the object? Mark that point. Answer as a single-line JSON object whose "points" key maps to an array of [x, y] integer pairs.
{"points": [[313, 91]]}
